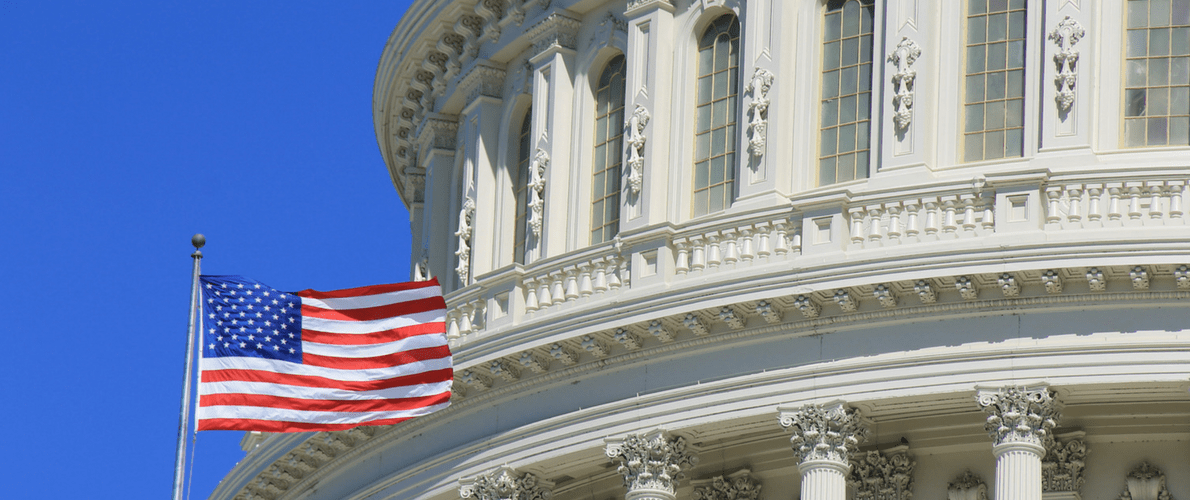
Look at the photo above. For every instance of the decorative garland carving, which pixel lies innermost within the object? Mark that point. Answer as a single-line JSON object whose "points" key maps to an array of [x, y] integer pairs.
{"points": [[653, 461], [738, 486], [636, 147], [824, 433], [541, 160], [505, 483], [1062, 467], [1146, 483], [876, 476], [1019, 414], [762, 81], [1065, 35], [463, 252], [903, 57]]}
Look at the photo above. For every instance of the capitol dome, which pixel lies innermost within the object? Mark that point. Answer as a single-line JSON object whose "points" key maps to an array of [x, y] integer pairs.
{"points": [[770, 250]]}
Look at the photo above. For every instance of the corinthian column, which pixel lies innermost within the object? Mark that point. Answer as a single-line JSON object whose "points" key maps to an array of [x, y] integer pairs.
{"points": [[652, 464], [505, 483], [824, 437], [1019, 422]]}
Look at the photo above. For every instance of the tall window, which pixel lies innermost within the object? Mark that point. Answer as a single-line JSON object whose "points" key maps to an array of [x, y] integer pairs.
{"points": [[1157, 79], [520, 185], [715, 126], [846, 91], [609, 134], [995, 85]]}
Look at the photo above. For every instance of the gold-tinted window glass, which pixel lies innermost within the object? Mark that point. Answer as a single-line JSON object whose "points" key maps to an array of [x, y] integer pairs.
{"points": [[1157, 73], [995, 83], [609, 134], [846, 91], [715, 126], [520, 184]]}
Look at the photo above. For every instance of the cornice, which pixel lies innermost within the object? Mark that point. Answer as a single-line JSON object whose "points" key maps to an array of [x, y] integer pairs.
{"points": [[484, 79]]}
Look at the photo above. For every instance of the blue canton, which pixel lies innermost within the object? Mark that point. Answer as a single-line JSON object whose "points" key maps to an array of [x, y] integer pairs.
{"points": [[244, 317]]}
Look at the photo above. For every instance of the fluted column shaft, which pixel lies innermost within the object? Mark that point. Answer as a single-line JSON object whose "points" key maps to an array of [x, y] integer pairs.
{"points": [[823, 479], [1018, 471]]}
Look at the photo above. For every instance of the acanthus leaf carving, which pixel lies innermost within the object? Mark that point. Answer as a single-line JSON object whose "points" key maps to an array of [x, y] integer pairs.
{"points": [[1146, 483], [1065, 35], [762, 81], [1019, 414], [879, 476], [903, 57], [831, 432], [736, 486], [637, 122], [967, 487], [1063, 464], [653, 461], [505, 483]]}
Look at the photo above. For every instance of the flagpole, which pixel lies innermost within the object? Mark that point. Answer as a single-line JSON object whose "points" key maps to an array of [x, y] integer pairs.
{"points": [[184, 422]]}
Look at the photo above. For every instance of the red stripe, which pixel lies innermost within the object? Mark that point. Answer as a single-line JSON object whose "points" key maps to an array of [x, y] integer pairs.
{"points": [[312, 381], [328, 405], [367, 290], [386, 361], [243, 424], [379, 312], [381, 337]]}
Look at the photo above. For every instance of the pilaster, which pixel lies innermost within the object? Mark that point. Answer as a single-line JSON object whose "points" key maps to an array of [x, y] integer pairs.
{"points": [[479, 134], [652, 464], [437, 143], [909, 103], [554, 41], [824, 439], [649, 81], [1019, 421], [1066, 98]]}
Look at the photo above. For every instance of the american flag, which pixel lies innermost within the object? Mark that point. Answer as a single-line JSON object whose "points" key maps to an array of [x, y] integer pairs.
{"points": [[277, 361]]}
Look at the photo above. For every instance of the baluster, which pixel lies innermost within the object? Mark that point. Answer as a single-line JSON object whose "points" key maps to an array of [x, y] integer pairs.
{"points": [[558, 287], [1175, 199], [931, 217], [452, 329], [874, 230], [530, 296], [796, 241], [911, 228], [570, 283], [763, 231], [698, 254], [682, 262], [988, 220], [543, 292], [1156, 192], [714, 256], [731, 253], [625, 272], [600, 283], [1093, 195], [782, 228], [1053, 215], [968, 201], [465, 319], [1076, 202], [949, 225], [894, 222], [857, 225], [585, 287], [613, 273], [747, 248], [1134, 212], [1113, 203]]}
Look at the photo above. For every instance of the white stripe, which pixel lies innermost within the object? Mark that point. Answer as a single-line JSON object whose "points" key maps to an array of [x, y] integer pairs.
{"points": [[373, 350], [380, 299], [285, 367], [291, 391], [311, 417], [372, 326]]}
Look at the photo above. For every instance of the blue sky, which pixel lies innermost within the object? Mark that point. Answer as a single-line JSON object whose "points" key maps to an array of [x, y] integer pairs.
{"points": [[124, 129]]}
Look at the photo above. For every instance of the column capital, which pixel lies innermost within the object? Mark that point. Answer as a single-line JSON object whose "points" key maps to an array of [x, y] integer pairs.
{"points": [[505, 483], [739, 485], [484, 79], [828, 432], [886, 476], [653, 462], [558, 31], [1019, 414]]}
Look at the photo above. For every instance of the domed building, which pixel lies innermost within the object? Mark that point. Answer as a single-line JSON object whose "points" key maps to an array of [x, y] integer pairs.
{"points": [[828, 250]]}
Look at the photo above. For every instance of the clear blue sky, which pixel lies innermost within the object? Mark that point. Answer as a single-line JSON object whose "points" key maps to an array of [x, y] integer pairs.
{"points": [[124, 129]]}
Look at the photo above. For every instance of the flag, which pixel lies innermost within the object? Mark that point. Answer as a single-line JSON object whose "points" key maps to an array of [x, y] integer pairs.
{"points": [[277, 361]]}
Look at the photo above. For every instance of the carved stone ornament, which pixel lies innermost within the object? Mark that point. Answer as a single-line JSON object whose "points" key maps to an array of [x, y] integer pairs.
{"points": [[463, 252], [653, 461], [1065, 35], [1146, 483], [967, 487], [762, 81], [824, 432], [556, 30], [505, 483], [877, 476], [636, 147], [738, 486], [1062, 467], [903, 57], [541, 160], [1019, 414], [421, 271]]}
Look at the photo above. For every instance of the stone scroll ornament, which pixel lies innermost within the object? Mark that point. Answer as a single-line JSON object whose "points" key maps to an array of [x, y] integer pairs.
{"points": [[636, 147], [463, 252], [824, 433], [762, 81], [505, 483], [1065, 36], [1019, 415], [541, 160], [654, 461], [903, 58]]}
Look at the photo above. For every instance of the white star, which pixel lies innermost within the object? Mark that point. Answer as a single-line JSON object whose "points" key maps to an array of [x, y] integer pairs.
{"points": [[267, 308], [283, 341], [266, 293], [258, 299], [251, 337], [225, 344], [231, 292], [242, 314], [243, 344], [212, 315], [260, 330], [227, 330], [275, 301], [210, 301], [219, 308], [290, 335], [226, 315], [284, 326], [276, 348], [212, 330], [291, 320], [258, 346], [241, 299], [276, 317], [220, 322], [268, 323], [282, 296], [219, 338], [212, 346], [291, 350], [242, 329], [258, 286], [209, 285], [250, 306], [224, 285], [235, 337], [241, 285], [249, 292]]}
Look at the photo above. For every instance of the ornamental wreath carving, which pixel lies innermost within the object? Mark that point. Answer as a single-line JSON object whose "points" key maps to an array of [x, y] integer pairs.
{"points": [[636, 147], [654, 461], [505, 483], [1065, 35], [824, 433], [903, 57], [876, 476], [1019, 415]]}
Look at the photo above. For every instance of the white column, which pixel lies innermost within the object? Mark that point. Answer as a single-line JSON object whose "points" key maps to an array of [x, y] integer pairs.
{"points": [[824, 437], [652, 464], [1019, 422]]}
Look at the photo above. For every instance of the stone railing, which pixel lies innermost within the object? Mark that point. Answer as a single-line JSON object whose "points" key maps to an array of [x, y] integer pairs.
{"points": [[921, 219], [1138, 202], [704, 248], [557, 281]]}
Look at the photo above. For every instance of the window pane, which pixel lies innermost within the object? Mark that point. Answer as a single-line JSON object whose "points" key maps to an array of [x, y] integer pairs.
{"points": [[1158, 102], [1138, 43], [1138, 13], [1134, 102], [1013, 144], [847, 109], [973, 147], [974, 117], [1179, 130], [1134, 132], [975, 88], [1016, 83], [1013, 113], [976, 59], [997, 56], [993, 117], [1159, 13], [846, 167], [827, 143], [1159, 42], [826, 170], [830, 113], [997, 27], [993, 145], [1157, 131], [976, 29]]}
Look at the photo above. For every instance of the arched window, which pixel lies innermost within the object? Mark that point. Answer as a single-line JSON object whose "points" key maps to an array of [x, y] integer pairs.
{"points": [[845, 132], [994, 107], [520, 185], [609, 133], [715, 120], [1157, 74]]}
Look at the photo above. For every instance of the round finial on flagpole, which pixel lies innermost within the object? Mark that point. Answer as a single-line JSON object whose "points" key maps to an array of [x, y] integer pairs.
{"points": [[198, 240]]}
